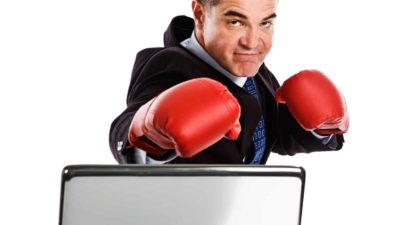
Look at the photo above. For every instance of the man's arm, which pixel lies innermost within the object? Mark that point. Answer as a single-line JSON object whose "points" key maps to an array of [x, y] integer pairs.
{"points": [[316, 105], [156, 97]]}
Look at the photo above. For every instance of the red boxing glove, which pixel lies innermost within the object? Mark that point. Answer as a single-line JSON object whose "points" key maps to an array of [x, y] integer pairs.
{"points": [[315, 102], [188, 117]]}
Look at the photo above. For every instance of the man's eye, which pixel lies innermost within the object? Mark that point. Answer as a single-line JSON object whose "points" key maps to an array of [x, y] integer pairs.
{"points": [[234, 23], [267, 24]]}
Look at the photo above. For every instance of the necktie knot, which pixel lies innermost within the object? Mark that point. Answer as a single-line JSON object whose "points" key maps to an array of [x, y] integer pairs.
{"points": [[250, 86]]}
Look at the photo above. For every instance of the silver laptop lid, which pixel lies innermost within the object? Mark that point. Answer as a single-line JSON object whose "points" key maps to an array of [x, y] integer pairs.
{"points": [[181, 195]]}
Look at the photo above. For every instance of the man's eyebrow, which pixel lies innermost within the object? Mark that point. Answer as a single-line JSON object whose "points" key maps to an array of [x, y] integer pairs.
{"points": [[236, 14], [240, 15], [273, 15]]}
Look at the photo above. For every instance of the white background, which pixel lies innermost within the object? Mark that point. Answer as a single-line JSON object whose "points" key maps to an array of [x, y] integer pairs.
{"points": [[65, 68]]}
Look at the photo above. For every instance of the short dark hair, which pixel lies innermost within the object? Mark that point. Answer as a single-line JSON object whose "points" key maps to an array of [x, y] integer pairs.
{"points": [[210, 2]]}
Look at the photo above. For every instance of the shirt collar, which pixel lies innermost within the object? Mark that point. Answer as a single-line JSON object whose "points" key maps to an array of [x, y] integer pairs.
{"points": [[194, 46]]}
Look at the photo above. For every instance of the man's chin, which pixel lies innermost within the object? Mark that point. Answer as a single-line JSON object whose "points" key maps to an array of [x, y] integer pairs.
{"points": [[246, 71]]}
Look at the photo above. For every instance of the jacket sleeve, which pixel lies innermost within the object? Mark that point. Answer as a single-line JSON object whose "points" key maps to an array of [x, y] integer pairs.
{"points": [[150, 76], [290, 138], [118, 136]]}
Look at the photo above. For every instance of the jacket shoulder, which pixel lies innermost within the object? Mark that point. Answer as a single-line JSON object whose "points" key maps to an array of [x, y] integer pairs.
{"points": [[172, 59], [170, 55], [158, 55]]}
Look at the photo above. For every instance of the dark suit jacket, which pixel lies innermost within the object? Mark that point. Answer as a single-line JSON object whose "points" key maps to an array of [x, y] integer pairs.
{"points": [[157, 69]]}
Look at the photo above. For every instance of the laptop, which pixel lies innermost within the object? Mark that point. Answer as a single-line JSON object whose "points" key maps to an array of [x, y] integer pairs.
{"points": [[181, 195]]}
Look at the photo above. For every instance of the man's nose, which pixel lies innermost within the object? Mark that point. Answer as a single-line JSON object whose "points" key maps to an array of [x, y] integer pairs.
{"points": [[250, 38]]}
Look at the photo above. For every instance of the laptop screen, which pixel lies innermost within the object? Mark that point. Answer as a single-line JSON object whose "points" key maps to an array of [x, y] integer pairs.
{"points": [[181, 195]]}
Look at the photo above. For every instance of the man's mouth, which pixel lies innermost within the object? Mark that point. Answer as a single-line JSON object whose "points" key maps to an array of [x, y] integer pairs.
{"points": [[245, 56]]}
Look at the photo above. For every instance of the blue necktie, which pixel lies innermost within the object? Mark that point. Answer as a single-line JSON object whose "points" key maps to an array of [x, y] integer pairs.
{"points": [[259, 133]]}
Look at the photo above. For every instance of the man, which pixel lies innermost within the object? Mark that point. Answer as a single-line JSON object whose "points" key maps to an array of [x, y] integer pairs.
{"points": [[207, 97]]}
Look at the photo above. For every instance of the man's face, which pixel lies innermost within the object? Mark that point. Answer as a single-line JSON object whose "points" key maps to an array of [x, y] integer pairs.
{"points": [[236, 33]]}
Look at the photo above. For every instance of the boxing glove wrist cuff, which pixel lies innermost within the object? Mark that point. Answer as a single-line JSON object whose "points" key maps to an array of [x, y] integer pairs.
{"points": [[151, 148]]}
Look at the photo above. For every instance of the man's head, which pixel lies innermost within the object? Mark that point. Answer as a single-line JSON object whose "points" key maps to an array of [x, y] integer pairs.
{"points": [[236, 33]]}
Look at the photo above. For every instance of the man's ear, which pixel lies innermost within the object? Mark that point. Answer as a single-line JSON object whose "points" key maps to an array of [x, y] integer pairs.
{"points": [[199, 13]]}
